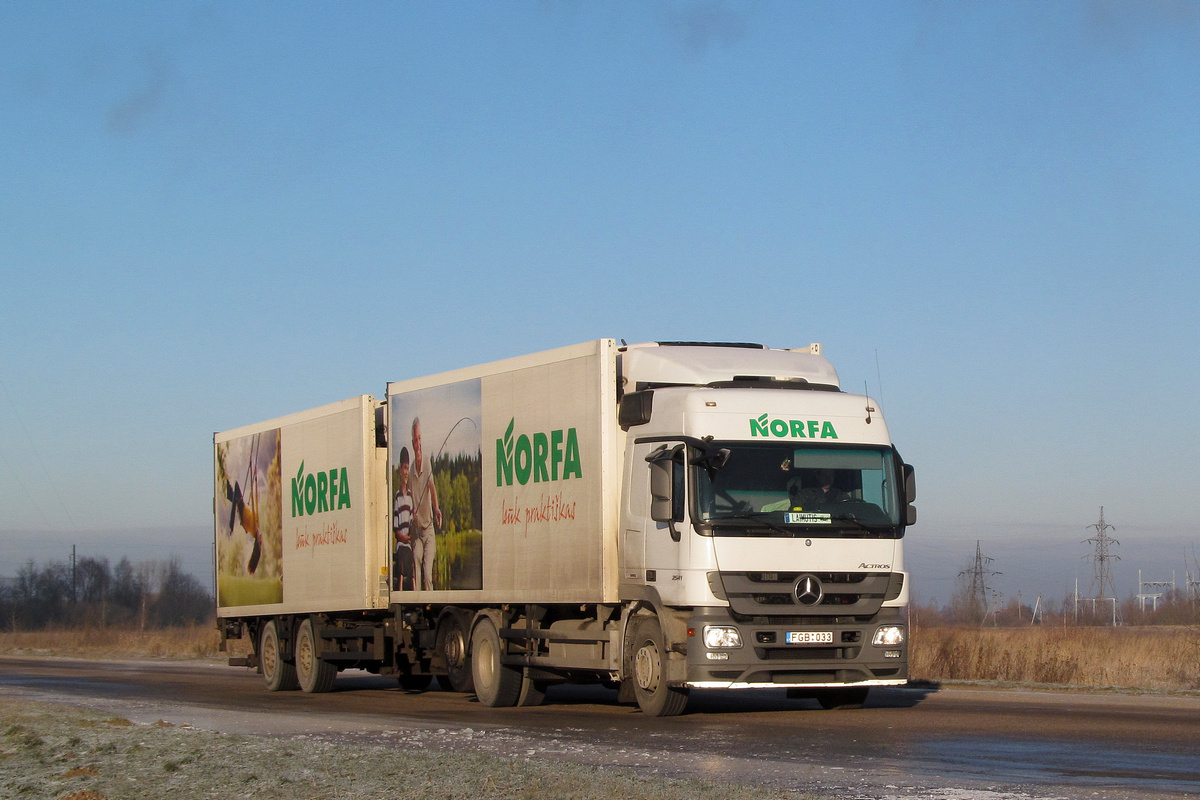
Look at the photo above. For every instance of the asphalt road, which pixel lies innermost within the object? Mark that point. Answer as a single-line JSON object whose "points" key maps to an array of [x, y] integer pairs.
{"points": [[939, 742]]}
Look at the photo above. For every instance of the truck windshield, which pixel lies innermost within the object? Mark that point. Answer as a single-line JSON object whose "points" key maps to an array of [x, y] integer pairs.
{"points": [[781, 487]]}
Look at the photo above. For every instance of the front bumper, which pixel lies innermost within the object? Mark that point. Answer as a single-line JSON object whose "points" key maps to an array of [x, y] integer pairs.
{"points": [[766, 660]]}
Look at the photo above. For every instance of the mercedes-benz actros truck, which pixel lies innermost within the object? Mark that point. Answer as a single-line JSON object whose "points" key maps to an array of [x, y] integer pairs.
{"points": [[657, 517]]}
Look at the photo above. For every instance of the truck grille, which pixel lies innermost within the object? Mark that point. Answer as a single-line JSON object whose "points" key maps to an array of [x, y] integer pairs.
{"points": [[774, 593]]}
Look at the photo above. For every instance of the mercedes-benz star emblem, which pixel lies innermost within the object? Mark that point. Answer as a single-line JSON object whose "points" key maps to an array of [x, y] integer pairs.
{"points": [[808, 590]]}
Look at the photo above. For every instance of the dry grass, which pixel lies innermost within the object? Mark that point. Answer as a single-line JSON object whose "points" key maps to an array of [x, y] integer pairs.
{"points": [[176, 643], [1157, 658]]}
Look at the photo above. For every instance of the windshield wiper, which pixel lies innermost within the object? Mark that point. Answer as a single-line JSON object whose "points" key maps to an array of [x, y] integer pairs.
{"points": [[761, 518], [754, 517], [861, 525]]}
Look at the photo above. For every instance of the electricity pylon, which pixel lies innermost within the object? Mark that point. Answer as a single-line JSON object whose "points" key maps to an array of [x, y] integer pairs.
{"points": [[978, 592], [1102, 577]]}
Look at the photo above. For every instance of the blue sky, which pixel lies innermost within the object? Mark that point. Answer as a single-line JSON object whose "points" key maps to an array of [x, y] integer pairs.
{"points": [[216, 213]]}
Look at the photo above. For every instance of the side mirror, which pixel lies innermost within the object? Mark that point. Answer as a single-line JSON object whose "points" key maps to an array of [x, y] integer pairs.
{"points": [[712, 459], [636, 408], [666, 486], [910, 494]]}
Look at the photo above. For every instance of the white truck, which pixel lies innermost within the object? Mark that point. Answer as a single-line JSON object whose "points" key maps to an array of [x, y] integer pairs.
{"points": [[657, 517]]}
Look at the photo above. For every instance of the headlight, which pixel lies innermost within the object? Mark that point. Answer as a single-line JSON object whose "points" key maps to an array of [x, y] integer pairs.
{"points": [[721, 636], [889, 636]]}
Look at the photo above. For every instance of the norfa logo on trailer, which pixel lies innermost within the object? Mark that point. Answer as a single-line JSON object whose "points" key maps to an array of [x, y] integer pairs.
{"points": [[542, 457], [317, 492], [792, 428]]}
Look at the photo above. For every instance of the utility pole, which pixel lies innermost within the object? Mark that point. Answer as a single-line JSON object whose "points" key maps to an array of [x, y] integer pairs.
{"points": [[73, 576], [996, 605], [1192, 582], [1102, 577]]}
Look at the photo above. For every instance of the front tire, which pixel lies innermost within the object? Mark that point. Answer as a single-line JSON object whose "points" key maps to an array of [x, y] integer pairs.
{"points": [[279, 675], [654, 696], [314, 673], [497, 685], [533, 692]]}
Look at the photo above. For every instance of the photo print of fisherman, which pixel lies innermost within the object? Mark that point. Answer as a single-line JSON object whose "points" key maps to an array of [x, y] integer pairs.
{"points": [[436, 484]]}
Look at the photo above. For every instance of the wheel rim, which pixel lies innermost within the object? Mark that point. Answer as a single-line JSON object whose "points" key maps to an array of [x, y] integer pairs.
{"points": [[486, 655], [304, 652], [454, 648], [270, 655], [646, 667]]}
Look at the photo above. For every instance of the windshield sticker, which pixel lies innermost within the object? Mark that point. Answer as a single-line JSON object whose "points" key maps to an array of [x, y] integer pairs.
{"points": [[806, 518]]}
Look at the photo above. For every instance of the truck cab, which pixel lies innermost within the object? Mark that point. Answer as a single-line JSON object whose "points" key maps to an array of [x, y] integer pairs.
{"points": [[762, 522]]}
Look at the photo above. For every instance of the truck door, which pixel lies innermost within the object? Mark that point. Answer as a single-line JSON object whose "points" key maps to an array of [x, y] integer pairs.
{"points": [[667, 528], [635, 514]]}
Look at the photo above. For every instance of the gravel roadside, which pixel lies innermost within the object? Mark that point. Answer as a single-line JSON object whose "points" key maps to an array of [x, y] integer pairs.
{"points": [[66, 753]]}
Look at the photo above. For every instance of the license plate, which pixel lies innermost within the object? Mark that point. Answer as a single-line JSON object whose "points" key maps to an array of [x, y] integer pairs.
{"points": [[809, 637]]}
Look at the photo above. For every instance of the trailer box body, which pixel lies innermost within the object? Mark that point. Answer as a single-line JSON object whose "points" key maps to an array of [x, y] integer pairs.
{"points": [[526, 456], [300, 519]]}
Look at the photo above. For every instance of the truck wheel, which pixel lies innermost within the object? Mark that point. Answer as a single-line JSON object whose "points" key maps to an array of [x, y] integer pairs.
{"points": [[279, 675], [533, 692], [452, 644], [496, 685], [650, 687], [315, 674], [842, 698]]}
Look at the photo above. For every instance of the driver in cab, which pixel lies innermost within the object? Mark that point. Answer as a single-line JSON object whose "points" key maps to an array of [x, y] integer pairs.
{"points": [[822, 492]]}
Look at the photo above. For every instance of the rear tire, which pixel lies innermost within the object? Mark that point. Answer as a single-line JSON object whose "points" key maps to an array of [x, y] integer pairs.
{"points": [[279, 675], [654, 696], [452, 644], [497, 685], [315, 674]]}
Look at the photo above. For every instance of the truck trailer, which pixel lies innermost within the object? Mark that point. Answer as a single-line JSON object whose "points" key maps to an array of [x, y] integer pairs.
{"points": [[656, 517]]}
